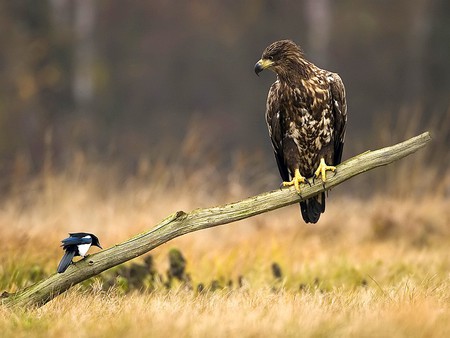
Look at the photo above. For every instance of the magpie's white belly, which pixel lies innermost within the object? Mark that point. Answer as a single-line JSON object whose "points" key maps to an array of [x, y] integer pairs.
{"points": [[83, 249]]}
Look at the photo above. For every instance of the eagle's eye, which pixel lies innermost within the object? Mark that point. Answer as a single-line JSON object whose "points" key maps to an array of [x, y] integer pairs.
{"points": [[270, 57]]}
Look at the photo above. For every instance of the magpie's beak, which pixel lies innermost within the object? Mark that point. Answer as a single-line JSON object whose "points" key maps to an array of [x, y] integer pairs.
{"points": [[99, 246], [262, 64]]}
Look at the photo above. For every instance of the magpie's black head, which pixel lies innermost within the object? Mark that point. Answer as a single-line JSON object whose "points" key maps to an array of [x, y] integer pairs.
{"points": [[81, 235], [95, 241]]}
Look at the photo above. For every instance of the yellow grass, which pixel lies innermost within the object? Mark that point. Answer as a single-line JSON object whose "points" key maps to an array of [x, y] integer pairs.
{"points": [[372, 267], [403, 311]]}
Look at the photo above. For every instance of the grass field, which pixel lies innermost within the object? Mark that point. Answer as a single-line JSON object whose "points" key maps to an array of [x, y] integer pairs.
{"points": [[374, 266]]}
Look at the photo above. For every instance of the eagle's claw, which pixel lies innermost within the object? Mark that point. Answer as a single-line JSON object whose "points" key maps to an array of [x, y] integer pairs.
{"points": [[322, 170], [298, 178]]}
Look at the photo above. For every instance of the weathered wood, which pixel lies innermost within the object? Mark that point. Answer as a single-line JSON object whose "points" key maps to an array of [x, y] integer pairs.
{"points": [[181, 223]]}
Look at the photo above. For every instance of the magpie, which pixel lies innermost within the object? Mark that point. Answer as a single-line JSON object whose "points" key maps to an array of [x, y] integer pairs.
{"points": [[77, 244]]}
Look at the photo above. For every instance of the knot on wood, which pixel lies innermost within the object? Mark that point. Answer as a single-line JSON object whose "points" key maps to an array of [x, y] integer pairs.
{"points": [[180, 215]]}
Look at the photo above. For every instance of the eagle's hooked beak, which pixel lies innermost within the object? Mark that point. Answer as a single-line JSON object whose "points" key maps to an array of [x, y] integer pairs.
{"points": [[262, 64]]}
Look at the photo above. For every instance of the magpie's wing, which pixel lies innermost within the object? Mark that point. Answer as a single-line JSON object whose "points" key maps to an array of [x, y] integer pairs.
{"points": [[65, 261], [76, 241]]}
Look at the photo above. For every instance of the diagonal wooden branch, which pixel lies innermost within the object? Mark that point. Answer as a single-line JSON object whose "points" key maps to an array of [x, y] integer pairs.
{"points": [[181, 223]]}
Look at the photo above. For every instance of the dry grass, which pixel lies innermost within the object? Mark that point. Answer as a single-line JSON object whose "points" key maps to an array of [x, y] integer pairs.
{"points": [[402, 311], [371, 267]]}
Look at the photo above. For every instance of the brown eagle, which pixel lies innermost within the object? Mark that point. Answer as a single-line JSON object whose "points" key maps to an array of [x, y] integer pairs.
{"points": [[306, 114]]}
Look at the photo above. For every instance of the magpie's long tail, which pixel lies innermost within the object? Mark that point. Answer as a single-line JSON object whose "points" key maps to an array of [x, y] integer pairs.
{"points": [[65, 261], [312, 208]]}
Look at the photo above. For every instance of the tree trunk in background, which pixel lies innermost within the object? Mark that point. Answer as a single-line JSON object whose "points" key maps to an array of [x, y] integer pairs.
{"points": [[421, 22], [83, 80], [61, 10], [318, 16]]}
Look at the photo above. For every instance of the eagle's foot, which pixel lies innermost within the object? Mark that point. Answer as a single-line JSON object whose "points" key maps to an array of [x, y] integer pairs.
{"points": [[322, 170], [298, 178]]}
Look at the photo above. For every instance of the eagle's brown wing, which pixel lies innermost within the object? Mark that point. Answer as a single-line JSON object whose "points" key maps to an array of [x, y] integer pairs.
{"points": [[276, 130], [340, 114]]}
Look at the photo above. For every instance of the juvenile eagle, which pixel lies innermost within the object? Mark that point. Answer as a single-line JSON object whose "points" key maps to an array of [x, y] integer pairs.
{"points": [[306, 114]]}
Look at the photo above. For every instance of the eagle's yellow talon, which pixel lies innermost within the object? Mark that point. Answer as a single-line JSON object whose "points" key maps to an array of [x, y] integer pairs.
{"points": [[322, 169], [298, 178]]}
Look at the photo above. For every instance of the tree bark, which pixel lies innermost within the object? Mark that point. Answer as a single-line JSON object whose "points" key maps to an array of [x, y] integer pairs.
{"points": [[181, 223]]}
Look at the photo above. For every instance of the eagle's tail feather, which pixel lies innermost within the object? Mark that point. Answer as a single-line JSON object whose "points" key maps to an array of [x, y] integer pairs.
{"points": [[312, 208], [65, 261]]}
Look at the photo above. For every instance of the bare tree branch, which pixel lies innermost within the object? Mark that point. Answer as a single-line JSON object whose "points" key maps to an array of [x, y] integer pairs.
{"points": [[181, 223]]}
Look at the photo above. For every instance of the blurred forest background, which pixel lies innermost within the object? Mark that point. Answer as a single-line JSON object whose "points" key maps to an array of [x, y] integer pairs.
{"points": [[117, 82]]}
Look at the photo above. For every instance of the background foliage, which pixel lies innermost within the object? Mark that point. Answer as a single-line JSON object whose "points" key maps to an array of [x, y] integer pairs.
{"points": [[118, 81]]}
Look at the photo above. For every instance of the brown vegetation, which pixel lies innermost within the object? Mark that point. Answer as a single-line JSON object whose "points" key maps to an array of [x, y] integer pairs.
{"points": [[377, 265]]}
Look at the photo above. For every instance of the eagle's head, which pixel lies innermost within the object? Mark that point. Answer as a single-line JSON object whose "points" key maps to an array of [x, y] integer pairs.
{"points": [[283, 57]]}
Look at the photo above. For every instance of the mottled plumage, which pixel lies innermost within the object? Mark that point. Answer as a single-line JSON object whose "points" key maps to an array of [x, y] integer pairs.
{"points": [[306, 115]]}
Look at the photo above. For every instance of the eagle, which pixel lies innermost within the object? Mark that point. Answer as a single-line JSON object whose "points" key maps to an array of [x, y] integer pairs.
{"points": [[306, 115]]}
